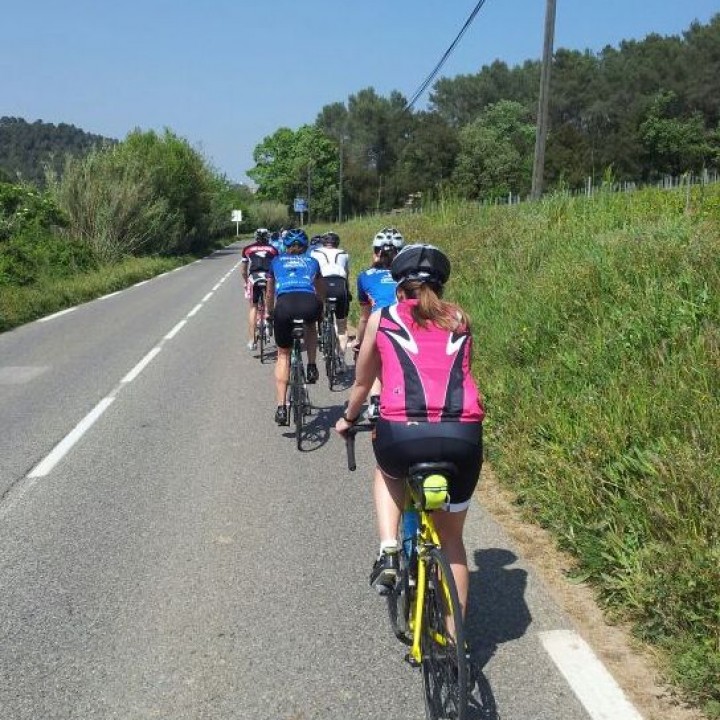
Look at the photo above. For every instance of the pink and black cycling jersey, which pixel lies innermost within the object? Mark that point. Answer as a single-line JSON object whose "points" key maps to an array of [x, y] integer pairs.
{"points": [[425, 371], [258, 257]]}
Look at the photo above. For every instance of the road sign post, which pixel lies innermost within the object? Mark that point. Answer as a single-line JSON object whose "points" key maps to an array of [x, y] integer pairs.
{"points": [[300, 206], [236, 217]]}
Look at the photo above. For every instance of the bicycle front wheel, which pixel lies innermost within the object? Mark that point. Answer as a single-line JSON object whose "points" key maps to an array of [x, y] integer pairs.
{"points": [[330, 356], [444, 660]]}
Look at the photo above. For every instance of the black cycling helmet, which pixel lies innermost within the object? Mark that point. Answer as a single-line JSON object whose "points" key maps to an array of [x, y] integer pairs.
{"points": [[262, 235], [423, 262], [332, 239]]}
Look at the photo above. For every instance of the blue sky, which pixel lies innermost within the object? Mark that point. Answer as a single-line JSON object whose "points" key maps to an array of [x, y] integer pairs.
{"points": [[225, 74]]}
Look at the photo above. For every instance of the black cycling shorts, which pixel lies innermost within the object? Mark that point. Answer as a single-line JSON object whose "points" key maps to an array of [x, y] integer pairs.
{"points": [[291, 306], [337, 288], [398, 445], [258, 282]]}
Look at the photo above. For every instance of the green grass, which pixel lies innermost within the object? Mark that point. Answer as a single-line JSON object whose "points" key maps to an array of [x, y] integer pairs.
{"points": [[49, 294], [597, 345]]}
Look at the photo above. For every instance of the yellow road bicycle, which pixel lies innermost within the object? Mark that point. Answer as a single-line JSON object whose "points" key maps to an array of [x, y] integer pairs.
{"points": [[424, 607]]}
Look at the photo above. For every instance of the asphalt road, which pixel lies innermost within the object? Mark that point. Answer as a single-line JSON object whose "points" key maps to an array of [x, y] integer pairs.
{"points": [[178, 558]]}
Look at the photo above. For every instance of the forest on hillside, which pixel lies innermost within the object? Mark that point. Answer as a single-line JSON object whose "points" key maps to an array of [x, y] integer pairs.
{"points": [[27, 148], [636, 112]]}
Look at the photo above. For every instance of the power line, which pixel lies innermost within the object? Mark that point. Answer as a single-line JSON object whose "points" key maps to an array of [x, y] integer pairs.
{"points": [[446, 55]]}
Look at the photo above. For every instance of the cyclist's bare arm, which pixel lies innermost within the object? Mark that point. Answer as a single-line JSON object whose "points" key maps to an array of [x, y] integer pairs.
{"points": [[362, 323], [270, 294]]}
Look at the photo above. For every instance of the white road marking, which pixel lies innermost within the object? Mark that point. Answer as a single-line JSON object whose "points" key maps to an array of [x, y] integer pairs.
{"points": [[144, 282], [593, 685], [175, 330], [46, 465], [57, 314], [109, 295], [62, 448], [141, 366]]}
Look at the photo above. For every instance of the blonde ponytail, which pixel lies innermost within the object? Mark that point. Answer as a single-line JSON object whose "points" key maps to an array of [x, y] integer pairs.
{"points": [[431, 308]]}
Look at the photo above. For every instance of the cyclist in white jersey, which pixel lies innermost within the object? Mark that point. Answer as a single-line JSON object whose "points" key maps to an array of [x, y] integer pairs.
{"points": [[334, 267]]}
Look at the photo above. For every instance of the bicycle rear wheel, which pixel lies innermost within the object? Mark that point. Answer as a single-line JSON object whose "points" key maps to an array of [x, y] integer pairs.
{"points": [[444, 660], [330, 355], [298, 403]]}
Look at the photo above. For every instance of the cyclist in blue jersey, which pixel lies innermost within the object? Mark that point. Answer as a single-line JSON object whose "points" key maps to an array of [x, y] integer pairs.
{"points": [[276, 242], [376, 290], [295, 291]]}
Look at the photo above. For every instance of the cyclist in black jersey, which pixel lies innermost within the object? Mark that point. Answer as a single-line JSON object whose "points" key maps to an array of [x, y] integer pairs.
{"points": [[256, 260]]}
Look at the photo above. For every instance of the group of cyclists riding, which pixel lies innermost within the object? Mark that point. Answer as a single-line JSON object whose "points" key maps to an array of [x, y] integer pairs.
{"points": [[413, 366]]}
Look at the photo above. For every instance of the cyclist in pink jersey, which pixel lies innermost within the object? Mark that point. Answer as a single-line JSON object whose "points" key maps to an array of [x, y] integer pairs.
{"points": [[430, 407]]}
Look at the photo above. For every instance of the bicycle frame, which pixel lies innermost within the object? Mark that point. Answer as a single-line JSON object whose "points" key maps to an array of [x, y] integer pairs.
{"points": [[427, 538]]}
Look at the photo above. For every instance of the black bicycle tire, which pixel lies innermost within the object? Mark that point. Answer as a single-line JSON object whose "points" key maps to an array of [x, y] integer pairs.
{"points": [[323, 339], [321, 334], [444, 669], [290, 400], [332, 351], [299, 406]]}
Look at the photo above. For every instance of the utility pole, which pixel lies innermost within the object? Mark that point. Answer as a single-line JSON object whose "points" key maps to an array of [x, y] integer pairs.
{"points": [[340, 180], [542, 121], [309, 188]]}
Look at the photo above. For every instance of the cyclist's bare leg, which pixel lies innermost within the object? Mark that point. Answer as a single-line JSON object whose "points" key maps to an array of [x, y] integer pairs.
{"points": [[311, 342], [342, 334], [450, 529], [252, 319], [282, 374], [389, 495]]}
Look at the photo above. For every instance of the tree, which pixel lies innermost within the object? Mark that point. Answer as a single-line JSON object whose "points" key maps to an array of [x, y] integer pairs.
{"points": [[427, 158], [496, 152], [151, 193], [298, 163], [674, 144]]}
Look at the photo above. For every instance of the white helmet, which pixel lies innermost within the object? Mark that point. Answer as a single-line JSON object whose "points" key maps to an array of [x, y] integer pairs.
{"points": [[388, 236]]}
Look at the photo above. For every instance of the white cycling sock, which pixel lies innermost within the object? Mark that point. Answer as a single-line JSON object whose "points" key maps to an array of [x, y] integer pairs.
{"points": [[388, 546]]}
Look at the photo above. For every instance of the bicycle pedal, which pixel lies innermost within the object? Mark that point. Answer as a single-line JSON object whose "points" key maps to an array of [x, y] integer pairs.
{"points": [[410, 660]]}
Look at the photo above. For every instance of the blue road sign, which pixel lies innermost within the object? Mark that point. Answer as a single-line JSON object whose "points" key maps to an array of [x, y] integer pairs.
{"points": [[300, 205]]}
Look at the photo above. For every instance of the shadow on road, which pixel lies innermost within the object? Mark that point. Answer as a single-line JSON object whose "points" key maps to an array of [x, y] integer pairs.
{"points": [[224, 252], [497, 613], [318, 427], [497, 610]]}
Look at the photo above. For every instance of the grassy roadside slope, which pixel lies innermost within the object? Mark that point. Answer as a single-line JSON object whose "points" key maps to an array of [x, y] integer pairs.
{"points": [[597, 326], [50, 292]]}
